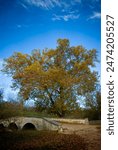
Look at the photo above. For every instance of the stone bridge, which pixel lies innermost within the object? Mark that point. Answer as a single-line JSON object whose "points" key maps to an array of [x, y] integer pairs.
{"points": [[30, 123]]}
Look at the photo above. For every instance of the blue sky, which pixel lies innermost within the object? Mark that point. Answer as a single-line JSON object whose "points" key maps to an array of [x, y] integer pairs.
{"points": [[29, 24]]}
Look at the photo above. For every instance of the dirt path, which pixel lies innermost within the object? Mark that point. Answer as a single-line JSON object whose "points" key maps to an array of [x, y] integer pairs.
{"points": [[91, 134]]}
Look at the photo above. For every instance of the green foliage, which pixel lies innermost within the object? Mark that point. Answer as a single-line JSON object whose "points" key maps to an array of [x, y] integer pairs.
{"points": [[54, 77], [35, 112]]}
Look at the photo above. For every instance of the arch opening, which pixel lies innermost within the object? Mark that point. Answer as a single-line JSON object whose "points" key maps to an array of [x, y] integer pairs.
{"points": [[29, 126], [13, 126], [2, 127]]}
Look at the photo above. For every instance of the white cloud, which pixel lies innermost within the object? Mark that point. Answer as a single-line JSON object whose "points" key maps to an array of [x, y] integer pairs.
{"points": [[74, 12], [96, 15], [56, 17], [71, 15], [65, 17], [47, 4], [23, 5]]}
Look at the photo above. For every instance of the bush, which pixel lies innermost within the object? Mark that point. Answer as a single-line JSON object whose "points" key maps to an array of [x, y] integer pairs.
{"points": [[9, 109]]}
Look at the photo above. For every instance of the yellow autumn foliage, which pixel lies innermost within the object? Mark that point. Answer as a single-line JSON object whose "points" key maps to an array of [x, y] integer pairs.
{"points": [[57, 75]]}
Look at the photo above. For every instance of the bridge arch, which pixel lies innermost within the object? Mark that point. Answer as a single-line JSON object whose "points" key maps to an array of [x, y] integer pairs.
{"points": [[13, 126], [2, 127], [29, 126], [29, 123]]}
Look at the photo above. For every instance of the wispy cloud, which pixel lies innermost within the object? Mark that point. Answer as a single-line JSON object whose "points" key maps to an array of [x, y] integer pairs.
{"points": [[47, 4], [19, 26], [23, 5], [63, 4], [65, 17], [68, 11], [96, 15]]}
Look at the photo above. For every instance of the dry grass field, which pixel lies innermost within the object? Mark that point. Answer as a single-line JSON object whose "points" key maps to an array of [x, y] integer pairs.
{"points": [[40, 140], [74, 137], [90, 133]]}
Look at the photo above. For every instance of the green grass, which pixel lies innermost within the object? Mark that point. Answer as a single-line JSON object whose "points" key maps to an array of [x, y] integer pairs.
{"points": [[32, 113], [40, 140]]}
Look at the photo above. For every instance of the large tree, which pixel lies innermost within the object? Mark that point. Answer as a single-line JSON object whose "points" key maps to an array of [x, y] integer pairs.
{"points": [[56, 77]]}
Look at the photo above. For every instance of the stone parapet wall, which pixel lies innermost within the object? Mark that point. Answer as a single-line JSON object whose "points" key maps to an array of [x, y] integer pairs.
{"points": [[95, 122], [51, 125], [77, 121]]}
